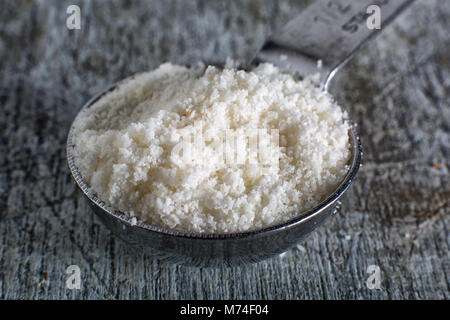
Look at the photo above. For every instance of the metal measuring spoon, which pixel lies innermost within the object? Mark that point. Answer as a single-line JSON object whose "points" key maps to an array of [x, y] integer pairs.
{"points": [[329, 31]]}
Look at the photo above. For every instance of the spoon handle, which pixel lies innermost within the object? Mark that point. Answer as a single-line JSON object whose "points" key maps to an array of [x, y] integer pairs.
{"points": [[329, 31]]}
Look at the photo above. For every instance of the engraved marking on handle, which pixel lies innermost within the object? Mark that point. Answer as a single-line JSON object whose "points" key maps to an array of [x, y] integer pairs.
{"points": [[327, 30]]}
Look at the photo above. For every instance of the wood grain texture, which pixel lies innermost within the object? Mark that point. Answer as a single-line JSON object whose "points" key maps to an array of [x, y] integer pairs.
{"points": [[396, 214]]}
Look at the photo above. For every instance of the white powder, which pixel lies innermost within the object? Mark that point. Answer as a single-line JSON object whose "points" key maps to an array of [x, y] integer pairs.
{"points": [[125, 143]]}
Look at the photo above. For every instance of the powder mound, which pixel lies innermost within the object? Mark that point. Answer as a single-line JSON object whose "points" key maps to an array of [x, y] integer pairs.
{"points": [[154, 147]]}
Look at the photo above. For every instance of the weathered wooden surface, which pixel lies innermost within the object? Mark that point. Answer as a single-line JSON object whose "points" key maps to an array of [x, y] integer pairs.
{"points": [[395, 215]]}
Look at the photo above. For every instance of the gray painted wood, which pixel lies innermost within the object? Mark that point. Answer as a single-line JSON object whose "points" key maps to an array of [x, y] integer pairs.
{"points": [[395, 216]]}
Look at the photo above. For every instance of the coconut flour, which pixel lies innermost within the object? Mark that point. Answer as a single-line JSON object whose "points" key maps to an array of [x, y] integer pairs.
{"points": [[213, 150]]}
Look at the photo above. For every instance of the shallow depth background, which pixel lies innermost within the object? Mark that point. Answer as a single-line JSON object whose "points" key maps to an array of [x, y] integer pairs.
{"points": [[395, 215]]}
